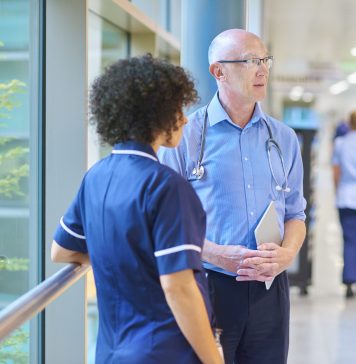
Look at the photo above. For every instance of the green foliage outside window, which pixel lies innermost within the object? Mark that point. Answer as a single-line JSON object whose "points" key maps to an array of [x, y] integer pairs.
{"points": [[12, 349], [13, 159], [14, 169]]}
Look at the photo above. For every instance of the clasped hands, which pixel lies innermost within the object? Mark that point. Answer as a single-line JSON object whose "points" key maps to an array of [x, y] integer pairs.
{"points": [[262, 264]]}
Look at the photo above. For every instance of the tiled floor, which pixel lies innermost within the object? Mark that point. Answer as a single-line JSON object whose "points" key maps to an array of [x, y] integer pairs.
{"points": [[323, 323]]}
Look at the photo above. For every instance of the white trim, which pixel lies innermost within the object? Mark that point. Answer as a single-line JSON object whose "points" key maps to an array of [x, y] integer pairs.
{"points": [[69, 231], [175, 249], [135, 152]]}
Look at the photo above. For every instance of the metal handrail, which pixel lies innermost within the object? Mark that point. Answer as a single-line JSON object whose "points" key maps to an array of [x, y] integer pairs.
{"points": [[35, 300]]}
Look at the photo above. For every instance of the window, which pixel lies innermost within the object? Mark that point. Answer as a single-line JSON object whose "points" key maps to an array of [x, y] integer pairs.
{"points": [[19, 166]]}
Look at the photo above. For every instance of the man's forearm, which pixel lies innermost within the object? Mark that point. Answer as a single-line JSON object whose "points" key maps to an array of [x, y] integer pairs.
{"points": [[211, 253], [294, 235]]}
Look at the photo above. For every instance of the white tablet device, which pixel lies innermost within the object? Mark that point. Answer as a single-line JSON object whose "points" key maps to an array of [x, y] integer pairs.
{"points": [[267, 230]]}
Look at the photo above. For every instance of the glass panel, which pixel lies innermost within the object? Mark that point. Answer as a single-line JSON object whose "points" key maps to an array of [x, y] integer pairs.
{"points": [[18, 167], [107, 44], [165, 13]]}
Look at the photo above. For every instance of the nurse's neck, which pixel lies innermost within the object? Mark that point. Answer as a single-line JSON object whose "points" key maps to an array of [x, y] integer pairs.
{"points": [[155, 146], [170, 141], [160, 140]]}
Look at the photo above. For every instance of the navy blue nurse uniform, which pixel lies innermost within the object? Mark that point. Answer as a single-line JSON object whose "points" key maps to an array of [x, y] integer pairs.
{"points": [[138, 220]]}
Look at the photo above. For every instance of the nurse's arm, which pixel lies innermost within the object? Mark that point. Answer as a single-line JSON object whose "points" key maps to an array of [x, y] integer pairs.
{"points": [[62, 255], [186, 302]]}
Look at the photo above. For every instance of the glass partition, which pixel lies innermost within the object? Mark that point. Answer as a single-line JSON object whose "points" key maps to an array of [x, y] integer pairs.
{"points": [[19, 167]]}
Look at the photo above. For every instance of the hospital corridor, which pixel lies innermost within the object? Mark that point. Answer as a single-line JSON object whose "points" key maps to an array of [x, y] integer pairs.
{"points": [[323, 322], [275, 81]]}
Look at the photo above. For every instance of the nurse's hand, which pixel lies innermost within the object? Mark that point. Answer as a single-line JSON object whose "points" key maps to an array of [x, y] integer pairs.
{"points": [[231, 257]]}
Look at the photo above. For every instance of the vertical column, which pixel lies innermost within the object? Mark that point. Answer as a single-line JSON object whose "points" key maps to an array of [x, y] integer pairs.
{"points": [[254, 17], [255, 24], [65, 164], [201, 21]]}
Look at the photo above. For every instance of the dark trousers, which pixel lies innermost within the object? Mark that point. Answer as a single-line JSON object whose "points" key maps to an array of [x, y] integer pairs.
{"points": [[348, 224], [255, 321]]}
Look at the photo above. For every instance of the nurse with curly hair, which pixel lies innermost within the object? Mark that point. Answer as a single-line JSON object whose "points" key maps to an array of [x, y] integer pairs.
{"points": [[140, 225]]}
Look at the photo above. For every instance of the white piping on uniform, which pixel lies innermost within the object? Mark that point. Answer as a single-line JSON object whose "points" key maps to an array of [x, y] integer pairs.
{"points": [[176, 249], [135, 152], [69, 231]]}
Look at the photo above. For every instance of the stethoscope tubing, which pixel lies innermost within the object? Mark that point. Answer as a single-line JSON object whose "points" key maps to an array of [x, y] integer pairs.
{"points": [[199, 170]]}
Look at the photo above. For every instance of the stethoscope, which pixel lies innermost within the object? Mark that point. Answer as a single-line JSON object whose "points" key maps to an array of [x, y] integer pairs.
{"points": [[199, 171]]}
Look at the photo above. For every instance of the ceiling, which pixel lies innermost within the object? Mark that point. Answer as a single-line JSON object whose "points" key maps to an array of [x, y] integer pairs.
{"points": [[311, 41]]}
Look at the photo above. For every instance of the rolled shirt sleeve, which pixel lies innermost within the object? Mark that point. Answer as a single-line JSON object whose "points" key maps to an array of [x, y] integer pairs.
{"points": [[295, 202]]}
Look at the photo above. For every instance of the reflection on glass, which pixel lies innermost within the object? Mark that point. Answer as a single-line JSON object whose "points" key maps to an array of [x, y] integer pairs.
{"points": [[18, 218], [107, 44]]}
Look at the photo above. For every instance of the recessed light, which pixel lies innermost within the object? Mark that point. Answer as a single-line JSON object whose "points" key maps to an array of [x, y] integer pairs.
{"points": [[296, 93], [352, 78], [338, 87]]}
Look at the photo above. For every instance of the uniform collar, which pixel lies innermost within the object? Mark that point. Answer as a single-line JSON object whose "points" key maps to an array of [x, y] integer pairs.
{"points": [[216, 113], [135, 148]]}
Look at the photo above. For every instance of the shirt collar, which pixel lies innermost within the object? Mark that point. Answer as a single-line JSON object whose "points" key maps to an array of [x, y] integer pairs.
{"points": [[217, 113], [132, 145], [258, 114]]}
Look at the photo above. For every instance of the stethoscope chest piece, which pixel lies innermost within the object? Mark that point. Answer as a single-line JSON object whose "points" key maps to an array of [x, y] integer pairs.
{"points": [[198, 172]]}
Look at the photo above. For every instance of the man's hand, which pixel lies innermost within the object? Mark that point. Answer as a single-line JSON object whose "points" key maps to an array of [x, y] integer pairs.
{"points": [[262, 268], [232, 257]]}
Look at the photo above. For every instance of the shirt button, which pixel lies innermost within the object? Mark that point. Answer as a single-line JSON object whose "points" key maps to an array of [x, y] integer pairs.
{"points": [[248, 186], [251, 213], [246, 159]]}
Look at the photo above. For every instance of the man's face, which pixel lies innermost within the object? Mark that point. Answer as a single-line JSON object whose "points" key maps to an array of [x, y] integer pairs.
{"points": [[247, 80]]}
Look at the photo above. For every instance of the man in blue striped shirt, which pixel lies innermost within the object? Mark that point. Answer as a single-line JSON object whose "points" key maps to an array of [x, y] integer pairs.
{"points": [[238, 162]]}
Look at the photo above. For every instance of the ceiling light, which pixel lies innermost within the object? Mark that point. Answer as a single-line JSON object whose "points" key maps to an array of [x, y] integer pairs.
{"points": [[352, 78], [296, 93], [338, 87], [353, 51]]}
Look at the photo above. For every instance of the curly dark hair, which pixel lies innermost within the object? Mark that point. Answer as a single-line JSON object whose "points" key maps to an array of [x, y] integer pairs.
{"points": [[138, 98]]}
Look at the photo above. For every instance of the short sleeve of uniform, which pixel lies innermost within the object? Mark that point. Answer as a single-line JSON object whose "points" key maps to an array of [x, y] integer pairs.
{"points": [[179, 224], [70, 232]]}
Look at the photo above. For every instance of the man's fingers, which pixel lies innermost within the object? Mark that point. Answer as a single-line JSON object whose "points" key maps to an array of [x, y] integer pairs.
{"points": [[268, 246], [255, 278], [265, 269], [254, 261], [260, 253]]}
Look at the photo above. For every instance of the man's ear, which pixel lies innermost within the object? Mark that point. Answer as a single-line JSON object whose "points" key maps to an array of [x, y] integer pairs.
{"points": [[217, 72]]}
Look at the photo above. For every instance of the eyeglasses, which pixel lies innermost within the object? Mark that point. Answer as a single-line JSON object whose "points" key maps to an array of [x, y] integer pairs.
{"points": [[268, 61]]}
